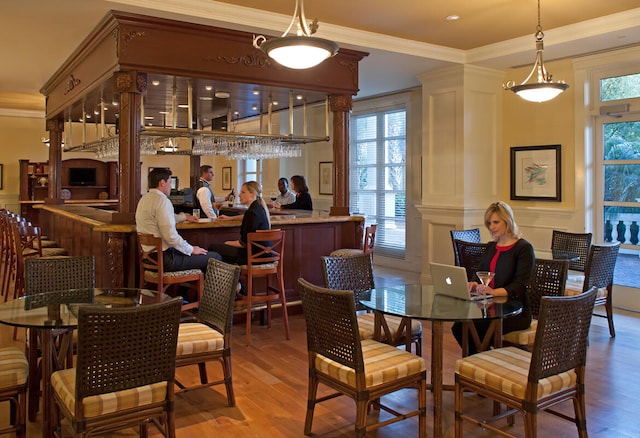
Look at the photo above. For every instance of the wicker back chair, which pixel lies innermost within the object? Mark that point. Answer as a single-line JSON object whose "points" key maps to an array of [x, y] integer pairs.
{"points": [[121, 352], [209, 338], [469, 255], [151, 270], [530, 382], [575, 243], [598, 273], [471, 235], [547, 279], [355, 273], [46, 275], [364, 370], [265, 259]]}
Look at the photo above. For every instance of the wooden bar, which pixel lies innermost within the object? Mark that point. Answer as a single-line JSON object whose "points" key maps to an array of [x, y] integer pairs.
{"points": [[84, 230]]}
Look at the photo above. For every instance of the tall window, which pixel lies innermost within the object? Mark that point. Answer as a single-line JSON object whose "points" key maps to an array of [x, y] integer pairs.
{"points": [[619, 161], [250, 170], [378, 175]]}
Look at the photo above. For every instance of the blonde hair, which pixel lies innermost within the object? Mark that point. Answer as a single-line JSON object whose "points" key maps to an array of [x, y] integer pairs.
{"points": [[254, 187], [504, 212]]}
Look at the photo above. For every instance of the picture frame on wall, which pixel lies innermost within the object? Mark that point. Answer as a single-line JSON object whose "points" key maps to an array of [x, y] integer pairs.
{"points": [[325, 183], [226, 178], [1, 176], [536, 173]]}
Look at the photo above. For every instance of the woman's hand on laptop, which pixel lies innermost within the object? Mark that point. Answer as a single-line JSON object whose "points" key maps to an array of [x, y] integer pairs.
{"points": [[473, 286]]}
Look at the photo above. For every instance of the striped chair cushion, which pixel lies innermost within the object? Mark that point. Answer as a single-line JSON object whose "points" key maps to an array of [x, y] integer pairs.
{"points": [[382, 363], [273, 265], [50, 252], [601, 293], [506, 370], [522, 337], [366, 325], [346, 252], [14, 367], [64, 384], [194, 337], [48, 243], [173, 274]]}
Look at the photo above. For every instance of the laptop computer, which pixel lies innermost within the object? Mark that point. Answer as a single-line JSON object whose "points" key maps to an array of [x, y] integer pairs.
{"points": [[452, 281]]}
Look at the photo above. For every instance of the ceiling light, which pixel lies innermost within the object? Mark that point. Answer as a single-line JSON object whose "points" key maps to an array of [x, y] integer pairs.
{"points": [[254, 107], [545, 89], [256, 91], [453, 17], [155, 82], [208, 87], [183, 105], [206, 98], [274, 103], [222, 94], [300, 51]]}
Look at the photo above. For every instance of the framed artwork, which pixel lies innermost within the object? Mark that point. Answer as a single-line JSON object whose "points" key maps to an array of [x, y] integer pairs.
{"points": [[325, 185], [1, 175], [226, 178], [535, 173]]}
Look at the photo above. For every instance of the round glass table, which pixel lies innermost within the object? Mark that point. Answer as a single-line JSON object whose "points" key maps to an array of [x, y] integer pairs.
{"points": [[423, 302]]}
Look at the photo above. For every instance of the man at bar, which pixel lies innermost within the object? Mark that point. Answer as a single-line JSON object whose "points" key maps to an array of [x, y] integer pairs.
{"points": [[155, 215]]}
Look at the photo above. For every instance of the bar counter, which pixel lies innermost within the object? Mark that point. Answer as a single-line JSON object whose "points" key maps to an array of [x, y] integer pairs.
{"points": [[84, 230]]}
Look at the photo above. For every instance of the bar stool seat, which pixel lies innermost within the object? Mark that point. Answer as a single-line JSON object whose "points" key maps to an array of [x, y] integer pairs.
{"points": [[14, 372]]}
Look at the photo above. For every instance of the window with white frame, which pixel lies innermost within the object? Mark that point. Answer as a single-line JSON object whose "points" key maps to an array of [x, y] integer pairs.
{"points": [[377, 174]]}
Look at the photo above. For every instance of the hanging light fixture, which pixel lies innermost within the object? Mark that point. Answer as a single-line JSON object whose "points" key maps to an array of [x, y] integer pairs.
{"points": [[300, 51], [545, 89]]}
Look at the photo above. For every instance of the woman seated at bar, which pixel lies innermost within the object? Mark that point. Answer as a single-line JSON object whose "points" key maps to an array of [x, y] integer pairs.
{"points": [[303, 198], [255, 218], [511, 258]]}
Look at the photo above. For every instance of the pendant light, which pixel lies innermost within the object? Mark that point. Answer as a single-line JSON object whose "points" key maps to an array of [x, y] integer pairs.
{"points": [[544, 89], [298, 51]]}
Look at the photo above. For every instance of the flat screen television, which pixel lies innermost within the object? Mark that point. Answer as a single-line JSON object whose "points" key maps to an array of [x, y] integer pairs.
{"points": [[82, 176]]}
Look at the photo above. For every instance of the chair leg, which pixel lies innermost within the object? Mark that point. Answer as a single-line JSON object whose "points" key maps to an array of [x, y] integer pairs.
{"points": [[580, 414], [361, 417], [228, 382], [21, 414], [458, 410], [283, 302], [34, 375], [530, 424], [609, 307], [311, 403], [249, 296], [202, 368]]}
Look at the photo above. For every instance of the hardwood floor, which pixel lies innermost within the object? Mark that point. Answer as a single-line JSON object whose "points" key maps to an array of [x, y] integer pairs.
{"points": [[270, 381]]}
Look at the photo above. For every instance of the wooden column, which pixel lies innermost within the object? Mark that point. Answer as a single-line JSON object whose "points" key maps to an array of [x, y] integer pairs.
{"points": [[130, 85], [341, 107], [55, 128]]}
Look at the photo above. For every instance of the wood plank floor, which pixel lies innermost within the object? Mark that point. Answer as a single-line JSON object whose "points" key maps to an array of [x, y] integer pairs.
{"points": [[270, 381]]}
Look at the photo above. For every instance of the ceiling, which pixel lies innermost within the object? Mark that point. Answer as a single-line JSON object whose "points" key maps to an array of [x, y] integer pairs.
{"points": [[403, 40]]}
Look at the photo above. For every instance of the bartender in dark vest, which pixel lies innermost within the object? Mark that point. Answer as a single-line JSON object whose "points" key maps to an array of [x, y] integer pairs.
{"points": [[204, 199]]}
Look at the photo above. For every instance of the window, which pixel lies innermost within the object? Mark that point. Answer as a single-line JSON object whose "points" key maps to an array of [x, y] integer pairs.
{"points": [[250, 170], [378, 175]]}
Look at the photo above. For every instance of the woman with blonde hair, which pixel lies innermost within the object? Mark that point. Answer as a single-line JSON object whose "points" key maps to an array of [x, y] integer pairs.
{"points": [[255, 218], [511, 258]]}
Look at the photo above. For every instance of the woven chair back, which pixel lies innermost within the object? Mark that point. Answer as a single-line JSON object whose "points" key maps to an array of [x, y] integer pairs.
{"points": [[548, 278], [600, 265], [332, 327], [470, 235], [470, 254], [216, 306], [353, 273], [561, 337], [123, 348], [576, 243]]}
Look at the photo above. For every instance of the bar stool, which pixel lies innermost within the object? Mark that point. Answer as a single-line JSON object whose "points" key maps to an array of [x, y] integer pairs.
{"points": [[367, 245]]}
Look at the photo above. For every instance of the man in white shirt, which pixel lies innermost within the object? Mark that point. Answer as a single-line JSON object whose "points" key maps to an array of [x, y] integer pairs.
{"points": [[155, 215], [286, 196]]}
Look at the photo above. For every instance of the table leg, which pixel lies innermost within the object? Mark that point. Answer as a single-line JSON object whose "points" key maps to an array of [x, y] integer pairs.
{"points": [[436, 375], [47, 352]]}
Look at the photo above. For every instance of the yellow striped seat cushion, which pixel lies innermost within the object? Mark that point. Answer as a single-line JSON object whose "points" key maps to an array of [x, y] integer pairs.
{"points": [[14, 367], [174, 274], [366, 324], [272, 265], [346, 252], [382, 363], [50, 252], [601, 293], [506, 370], [64, 384], [194, 337], [522, 337]]}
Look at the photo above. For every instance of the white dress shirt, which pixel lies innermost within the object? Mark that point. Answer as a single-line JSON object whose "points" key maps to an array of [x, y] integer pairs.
{"points": [[154, 215]]}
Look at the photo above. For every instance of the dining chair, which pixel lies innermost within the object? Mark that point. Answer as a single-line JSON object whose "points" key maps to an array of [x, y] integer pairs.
{"points": [[209, 337], [576, 243], [46, 275], [356, 273], [598, 273], [125, 371], [362, 369], [529, 382], [265, 259], [367, 244], [547, 279], [470, 235], [469, 256], [14, 372], [151, 271]]}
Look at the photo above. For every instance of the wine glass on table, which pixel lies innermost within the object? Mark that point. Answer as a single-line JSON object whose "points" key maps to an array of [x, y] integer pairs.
{"points": [[273, 196], [485, 278]]}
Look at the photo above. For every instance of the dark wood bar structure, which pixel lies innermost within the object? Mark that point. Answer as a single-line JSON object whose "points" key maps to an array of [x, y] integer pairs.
{"points": [[84, 230]]}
